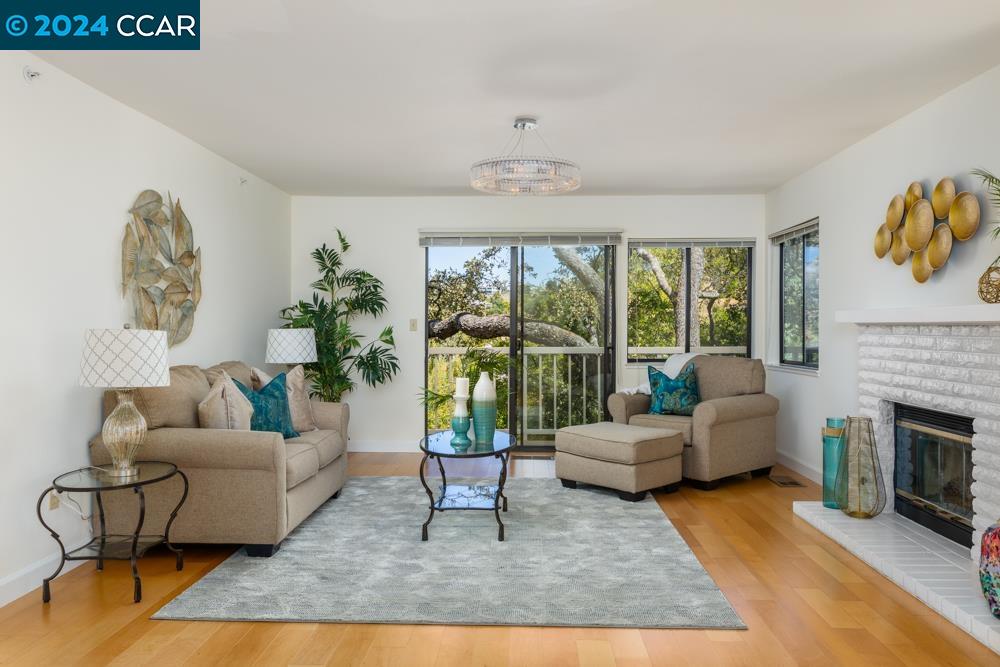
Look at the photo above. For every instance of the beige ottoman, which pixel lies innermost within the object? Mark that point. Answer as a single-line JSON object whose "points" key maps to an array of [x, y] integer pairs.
{"points": [[629, 459]]}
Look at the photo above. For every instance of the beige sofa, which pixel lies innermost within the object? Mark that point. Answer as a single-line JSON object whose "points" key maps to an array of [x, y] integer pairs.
{"points": [[246, 487], [732, 430]]}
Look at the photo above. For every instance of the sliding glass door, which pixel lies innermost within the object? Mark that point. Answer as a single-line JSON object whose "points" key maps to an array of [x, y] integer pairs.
{"points": [[539, 318]]}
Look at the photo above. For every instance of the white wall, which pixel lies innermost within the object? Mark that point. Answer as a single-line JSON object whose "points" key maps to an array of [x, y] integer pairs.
{"points": [[383, 234], [72, 162], [850, 193]]}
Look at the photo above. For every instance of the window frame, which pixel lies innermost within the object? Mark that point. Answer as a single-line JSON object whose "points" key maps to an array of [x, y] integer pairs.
{"points": [[808, 228], [686, 246]]}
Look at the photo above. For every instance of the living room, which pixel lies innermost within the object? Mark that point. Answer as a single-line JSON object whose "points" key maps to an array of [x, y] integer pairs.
{"points": [[692, 301]]}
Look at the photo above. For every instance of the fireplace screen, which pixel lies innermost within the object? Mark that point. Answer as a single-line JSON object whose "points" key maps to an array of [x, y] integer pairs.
{"points": [[934, 468]]}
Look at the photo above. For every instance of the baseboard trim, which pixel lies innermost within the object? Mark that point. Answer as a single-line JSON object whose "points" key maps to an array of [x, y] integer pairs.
{"points": [[29, 578], [383, 446], [801, 467]]}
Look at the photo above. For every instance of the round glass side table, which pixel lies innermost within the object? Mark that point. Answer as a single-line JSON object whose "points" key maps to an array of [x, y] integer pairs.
{"points": [[96, 480], [462, 496]]}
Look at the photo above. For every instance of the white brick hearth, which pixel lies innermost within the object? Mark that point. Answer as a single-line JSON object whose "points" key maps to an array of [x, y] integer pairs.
{"points": [[952, 368]]}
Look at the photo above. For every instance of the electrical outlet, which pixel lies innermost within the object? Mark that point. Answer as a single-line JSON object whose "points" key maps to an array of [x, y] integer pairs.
{"points": [[54, 500], [413, 324]]}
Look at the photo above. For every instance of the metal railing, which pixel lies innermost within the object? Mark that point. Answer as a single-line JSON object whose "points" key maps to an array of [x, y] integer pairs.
{"points": [[560, 386]]}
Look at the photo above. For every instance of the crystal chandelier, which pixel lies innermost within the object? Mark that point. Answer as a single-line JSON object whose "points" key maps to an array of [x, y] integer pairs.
{"points": [[515, 173]]}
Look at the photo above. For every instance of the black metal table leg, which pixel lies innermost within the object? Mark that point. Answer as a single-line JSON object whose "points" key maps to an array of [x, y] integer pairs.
{"points": [[444, 478], [137, 592], [173, 515], [104, 532], [499, 496], [46, 594], [430, 495]]}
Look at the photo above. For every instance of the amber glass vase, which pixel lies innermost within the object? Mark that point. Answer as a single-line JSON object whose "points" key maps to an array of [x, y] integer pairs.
{"points": [[860, 492]]}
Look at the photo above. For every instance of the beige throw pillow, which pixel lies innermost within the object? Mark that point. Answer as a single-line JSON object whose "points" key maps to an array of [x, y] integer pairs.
{"points": [[225, 407], [297, 388]]}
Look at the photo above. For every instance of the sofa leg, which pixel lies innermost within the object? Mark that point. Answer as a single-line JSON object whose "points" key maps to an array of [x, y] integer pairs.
{"points": [[336, 495], [631, 497], [703, 485], [568, 483], [761, 472], [672, 488], [261, 550]]}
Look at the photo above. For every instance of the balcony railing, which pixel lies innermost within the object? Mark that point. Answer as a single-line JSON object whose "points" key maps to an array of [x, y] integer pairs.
{"points": [[560, 386]]}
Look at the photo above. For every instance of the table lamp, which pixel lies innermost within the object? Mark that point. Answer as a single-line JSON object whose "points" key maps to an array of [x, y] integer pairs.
{"points": [[291, 346], [124, 359]]}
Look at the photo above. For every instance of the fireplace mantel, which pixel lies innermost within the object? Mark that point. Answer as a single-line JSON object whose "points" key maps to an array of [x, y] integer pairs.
{"points": [[980, 313]]}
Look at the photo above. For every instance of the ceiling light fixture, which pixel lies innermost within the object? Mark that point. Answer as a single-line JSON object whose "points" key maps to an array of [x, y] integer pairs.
{"points": [[514, 173]]}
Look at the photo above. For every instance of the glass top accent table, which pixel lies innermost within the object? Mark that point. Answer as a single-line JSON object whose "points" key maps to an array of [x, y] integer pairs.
{"points": [[462, 496], [96, 480]]}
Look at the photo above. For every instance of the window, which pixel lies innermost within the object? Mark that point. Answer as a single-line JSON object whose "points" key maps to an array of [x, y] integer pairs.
{"points": [[798, 279], [662, 320]]}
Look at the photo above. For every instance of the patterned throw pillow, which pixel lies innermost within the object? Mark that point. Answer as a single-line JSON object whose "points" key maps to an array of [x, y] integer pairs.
{"points": [[989, 568], [677, 396], [270, 407]]}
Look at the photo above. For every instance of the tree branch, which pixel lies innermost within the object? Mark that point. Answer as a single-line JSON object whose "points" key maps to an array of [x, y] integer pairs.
{"points": [[498, 326], [592, 282], [654, 265]]}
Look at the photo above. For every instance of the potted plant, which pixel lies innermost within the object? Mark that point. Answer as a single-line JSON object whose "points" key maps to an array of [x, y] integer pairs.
{"points": [[341, 296]]}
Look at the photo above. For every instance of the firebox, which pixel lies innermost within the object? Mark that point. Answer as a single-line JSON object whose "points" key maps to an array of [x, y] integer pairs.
{"points": [[933, 475]]}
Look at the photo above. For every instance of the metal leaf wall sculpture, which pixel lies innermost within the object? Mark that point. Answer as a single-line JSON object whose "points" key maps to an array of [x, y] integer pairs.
{"points": [[161, 269]]}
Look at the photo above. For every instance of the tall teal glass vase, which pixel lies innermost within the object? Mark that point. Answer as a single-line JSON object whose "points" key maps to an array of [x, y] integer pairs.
{"points": [[484, 409], [833, 446]]}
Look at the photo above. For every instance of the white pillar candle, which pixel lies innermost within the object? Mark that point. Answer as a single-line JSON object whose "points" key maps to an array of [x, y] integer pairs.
{"points": [[462, 387]]}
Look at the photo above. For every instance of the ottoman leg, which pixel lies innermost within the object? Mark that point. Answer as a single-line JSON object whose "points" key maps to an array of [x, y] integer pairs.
{"points": [[568, 483], [672, 488], [761, 472], [631, 497]]}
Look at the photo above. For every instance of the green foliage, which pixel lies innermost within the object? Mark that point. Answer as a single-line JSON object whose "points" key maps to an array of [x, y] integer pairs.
{"points": [[347, 294], [992, 185], [441, 378]]}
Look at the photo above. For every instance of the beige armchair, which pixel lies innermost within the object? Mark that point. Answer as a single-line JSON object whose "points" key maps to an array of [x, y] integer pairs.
{"points": [[732, 430]]}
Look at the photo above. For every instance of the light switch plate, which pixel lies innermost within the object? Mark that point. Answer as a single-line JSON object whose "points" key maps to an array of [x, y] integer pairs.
{"points": [[413, 324]]}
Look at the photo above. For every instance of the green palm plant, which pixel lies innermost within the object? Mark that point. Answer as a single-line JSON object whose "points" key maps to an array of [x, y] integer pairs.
{"points": [[347, 294], [992, 185]]}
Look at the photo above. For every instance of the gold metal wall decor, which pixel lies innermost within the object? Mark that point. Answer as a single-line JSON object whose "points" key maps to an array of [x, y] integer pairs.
{"points": [[924, 230], [859, 489], [161, 268]]}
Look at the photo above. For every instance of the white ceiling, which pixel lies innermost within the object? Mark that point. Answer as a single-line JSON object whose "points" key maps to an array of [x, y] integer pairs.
{"points": [[399, 97]]}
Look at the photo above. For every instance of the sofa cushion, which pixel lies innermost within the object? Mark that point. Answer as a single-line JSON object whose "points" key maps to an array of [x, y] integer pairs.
{"points": [[270, 407], [673, 422], [673, 396], [225, 407], [235, 369], [301, 463], [329, 445], [174, 406], [620, 443], [719, 377]]}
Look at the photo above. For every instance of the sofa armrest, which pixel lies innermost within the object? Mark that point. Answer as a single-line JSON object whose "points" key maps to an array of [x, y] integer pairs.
{"points": [[623, 406], [734, 408], [207, 448], [332, 416]]}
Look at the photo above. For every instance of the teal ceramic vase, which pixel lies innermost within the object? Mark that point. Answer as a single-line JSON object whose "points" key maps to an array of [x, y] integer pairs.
{"points": [[460, 422], [484, 409]]}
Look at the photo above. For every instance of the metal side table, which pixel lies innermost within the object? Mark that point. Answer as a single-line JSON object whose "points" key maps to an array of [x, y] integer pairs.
{"points": [[488, 497], [96, 480]]}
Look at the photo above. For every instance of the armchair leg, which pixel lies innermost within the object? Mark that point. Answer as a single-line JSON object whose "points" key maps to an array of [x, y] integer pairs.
{"points": [[703, 485], [672, 488], [631, 497], [261, 550], [761, 472], [568, 483]]}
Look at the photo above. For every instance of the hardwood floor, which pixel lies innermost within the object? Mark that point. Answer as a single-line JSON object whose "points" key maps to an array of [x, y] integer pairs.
{"points": [[806, 601]]}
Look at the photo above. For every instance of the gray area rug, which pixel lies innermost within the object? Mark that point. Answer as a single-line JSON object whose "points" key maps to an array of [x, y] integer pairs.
{"points": [[572, 557]]}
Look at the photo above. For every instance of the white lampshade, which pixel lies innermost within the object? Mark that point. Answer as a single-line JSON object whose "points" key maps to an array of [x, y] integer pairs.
{"points": [[291, 346], [123, 358]]}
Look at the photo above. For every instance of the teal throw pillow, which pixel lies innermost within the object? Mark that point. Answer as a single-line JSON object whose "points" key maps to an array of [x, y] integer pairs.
{"points": [[673, 397], [270, 407]]}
